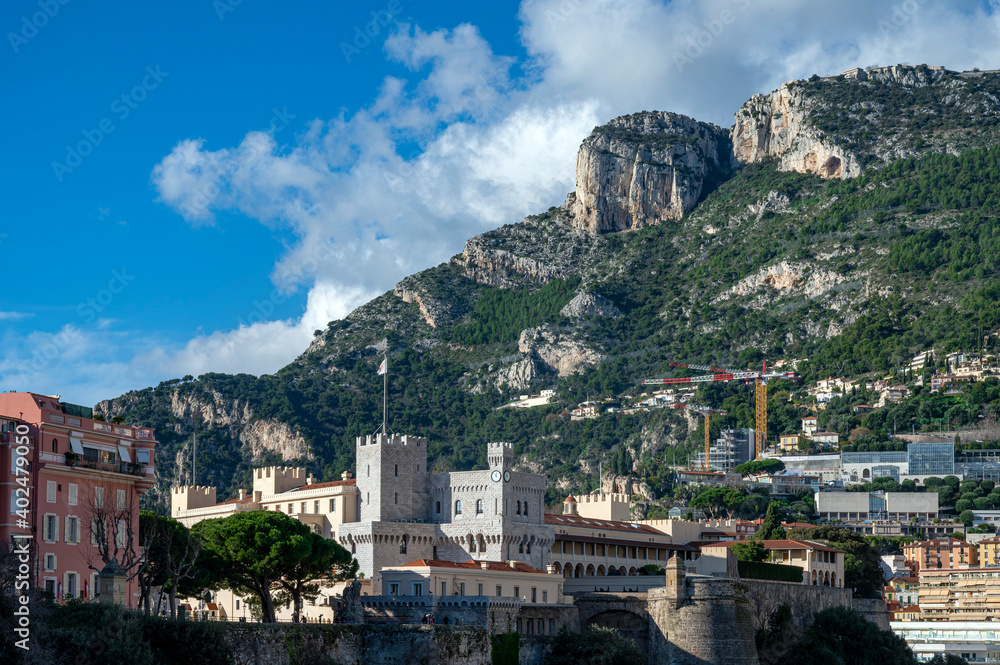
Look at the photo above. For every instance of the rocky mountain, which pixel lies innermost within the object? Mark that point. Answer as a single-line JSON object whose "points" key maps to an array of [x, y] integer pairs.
{"points": [[852, 220]]}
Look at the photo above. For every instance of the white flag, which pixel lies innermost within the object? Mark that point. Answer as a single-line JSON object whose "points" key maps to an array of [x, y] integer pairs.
{"points": [[381, 368]]}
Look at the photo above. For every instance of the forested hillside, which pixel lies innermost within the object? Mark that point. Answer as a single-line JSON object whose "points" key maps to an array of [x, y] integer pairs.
{"points": [[855, 275]]}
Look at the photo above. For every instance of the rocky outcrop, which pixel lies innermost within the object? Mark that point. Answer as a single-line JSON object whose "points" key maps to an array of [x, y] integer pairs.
{"points": [[516, 377], [588, 305], [537, 250], [559, 352], [788, 277], [776, 126], [431, 309], [645, 169], [257, 436]]}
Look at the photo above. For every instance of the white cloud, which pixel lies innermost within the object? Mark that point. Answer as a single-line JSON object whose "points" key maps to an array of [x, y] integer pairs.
{"points": [[492, 148], [15, 316]]}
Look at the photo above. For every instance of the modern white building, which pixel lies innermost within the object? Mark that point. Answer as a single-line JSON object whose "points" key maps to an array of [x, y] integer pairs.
{"points": [[865, 506], [975, 641]]}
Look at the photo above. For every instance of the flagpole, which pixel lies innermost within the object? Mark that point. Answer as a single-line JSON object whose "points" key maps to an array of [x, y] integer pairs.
{"points": [[385, 396]]}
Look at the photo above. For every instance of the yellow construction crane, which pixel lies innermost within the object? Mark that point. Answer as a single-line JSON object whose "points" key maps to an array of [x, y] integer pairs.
{"points": [[704, 411], [722, 374]]}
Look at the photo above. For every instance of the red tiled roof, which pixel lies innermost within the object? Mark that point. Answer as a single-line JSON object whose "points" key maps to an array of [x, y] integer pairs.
{"points": [[316, 486], [785, 544], [605, 525], [474, 565], [911, 608], [247, 499]]}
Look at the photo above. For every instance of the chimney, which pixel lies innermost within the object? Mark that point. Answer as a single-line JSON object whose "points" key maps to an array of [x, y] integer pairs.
{"points": [[256, 496], [485, 565], [346, 475], [243, 494], [550, 569]]}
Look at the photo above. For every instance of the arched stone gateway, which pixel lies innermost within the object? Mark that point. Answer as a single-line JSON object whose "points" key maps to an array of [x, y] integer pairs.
{"points": [[626, 623], [626, 613]]}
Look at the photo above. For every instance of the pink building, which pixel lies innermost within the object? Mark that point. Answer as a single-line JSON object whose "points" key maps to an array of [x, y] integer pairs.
{"points": [[79, 472]]}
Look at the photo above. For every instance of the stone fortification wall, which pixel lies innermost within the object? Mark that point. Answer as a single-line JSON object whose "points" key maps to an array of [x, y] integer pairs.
{"points": [[712, 624], [766, 596], [873, 609], [360, 645]]}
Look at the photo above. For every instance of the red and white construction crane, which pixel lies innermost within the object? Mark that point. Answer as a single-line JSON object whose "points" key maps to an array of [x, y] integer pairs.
{"points": [[704, 411], [760, 379]]}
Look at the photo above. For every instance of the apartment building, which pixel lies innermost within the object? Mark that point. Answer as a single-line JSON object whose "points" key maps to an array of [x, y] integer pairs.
{"points": [[941, 553], [989, 552], [84, 479], [971, 594]]}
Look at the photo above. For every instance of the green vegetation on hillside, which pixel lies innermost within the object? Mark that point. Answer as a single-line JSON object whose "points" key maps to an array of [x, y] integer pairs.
{"points": [[501, 314]]}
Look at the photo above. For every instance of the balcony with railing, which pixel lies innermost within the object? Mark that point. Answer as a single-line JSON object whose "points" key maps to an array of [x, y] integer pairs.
{"points": [[127, 468]]}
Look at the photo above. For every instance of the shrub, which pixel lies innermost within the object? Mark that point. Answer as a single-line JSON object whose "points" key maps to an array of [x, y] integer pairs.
{"points": [[597, 646]]}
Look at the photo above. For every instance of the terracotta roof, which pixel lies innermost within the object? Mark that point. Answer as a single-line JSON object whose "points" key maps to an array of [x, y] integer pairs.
{"points": [[247, 499], [316, 486], [471, 564], [212, 606], [570, 499], [935, 542], [911, 608], [785, 544], [604, 525]]}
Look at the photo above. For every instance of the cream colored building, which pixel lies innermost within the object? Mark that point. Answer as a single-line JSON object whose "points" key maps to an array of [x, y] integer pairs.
{"points": [[971, 594], [821, 564], [989, 552], [474, 578], [321, 506]]}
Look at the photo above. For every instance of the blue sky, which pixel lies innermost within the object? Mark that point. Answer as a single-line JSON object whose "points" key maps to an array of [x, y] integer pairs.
{"points": [[197, 186]]}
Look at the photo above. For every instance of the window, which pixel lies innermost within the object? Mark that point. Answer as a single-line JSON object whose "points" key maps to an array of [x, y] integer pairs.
{"points": [[142, 457], [395, 498], [458, 507], [395, 470], [444, 588], [525, 509], [108, 457], [316, 507], [545, 596], [418, 589], [461, 588], [518, 507], [369, 470], [51, 528], [120, 533], [517, 592], [534, 595], [70, 588], [437, 507], [91, 454], [72, 529], [499, 590], [402, 547], [13, 502], [98, 497], [479, 506], [50, 562], [55, 445], [96, 532], [394, 589], [121, 500], [74, 491], [50, 586], [302, 507], [479, 589], [50, 491], [237, 603], [333, 505], [290, 508]]}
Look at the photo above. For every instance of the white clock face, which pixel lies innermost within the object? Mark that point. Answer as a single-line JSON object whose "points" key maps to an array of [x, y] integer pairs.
{"points": [[496, 475], [506, 476]]}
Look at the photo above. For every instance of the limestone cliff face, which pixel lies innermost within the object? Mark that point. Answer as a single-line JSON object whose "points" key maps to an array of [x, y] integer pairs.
{"points": [[559, 352], [777, 126], [645, 169], [217, 410]]}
